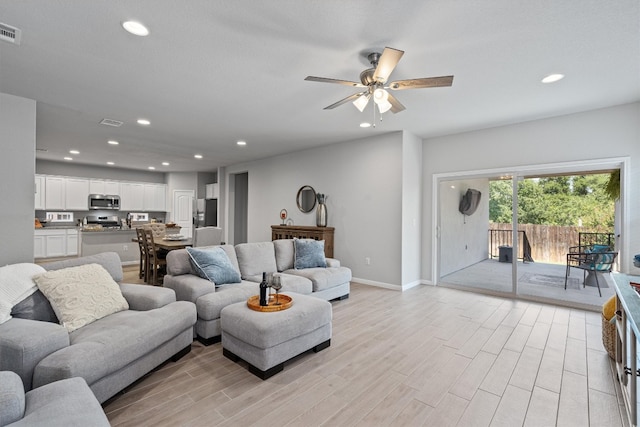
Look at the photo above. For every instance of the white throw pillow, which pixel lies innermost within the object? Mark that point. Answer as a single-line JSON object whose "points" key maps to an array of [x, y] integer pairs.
{"points": [[81, 295], [16, 284]]}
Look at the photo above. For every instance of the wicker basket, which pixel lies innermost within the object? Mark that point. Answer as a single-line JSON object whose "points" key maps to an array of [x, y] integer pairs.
{"points": [[609, 337]]}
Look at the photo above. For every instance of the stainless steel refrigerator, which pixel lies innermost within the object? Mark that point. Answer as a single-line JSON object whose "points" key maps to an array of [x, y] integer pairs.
{"points": [[206, 213]]}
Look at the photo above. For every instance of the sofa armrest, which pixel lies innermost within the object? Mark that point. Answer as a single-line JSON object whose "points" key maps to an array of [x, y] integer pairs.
{"points": [[145, 297], [332, 262], [24, 343], [12, 400], [188, 287]]}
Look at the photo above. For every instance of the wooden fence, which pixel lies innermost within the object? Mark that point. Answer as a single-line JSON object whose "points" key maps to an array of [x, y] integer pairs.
{"points": [[549, 243]]}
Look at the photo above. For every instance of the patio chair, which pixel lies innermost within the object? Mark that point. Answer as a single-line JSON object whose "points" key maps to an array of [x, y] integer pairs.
{"points": [[592, 259]]}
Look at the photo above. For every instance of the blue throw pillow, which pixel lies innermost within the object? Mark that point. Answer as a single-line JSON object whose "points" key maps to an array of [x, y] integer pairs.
{"points": [[214, 265], [309, 253]]}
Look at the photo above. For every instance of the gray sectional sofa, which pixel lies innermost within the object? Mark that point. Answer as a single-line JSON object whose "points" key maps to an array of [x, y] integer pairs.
{"points": [[65, 403], [250, 260], [110, 353]]}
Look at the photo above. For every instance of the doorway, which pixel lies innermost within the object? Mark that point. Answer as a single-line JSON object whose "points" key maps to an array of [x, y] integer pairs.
{"points": [[182, 213], [239, 207], [456, 258]]}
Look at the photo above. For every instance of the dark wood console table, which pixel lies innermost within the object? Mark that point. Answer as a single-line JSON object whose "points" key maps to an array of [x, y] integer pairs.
{"points": [[305, 232]]}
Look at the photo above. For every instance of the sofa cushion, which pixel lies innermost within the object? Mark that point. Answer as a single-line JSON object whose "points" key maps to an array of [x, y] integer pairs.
{"points": [[284, 253], [113, 342], [81, 295], [256, 258], [324, 278], [12, 401], [109, 260], [309, 253], [214, 265], [210, 305]]}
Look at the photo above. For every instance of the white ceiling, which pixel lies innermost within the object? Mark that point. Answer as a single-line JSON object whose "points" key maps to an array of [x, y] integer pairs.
{"points": [[213, 72]]}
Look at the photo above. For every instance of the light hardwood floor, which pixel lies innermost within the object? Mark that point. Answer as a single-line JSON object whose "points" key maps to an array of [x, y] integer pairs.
{"points": [[429, 356]]}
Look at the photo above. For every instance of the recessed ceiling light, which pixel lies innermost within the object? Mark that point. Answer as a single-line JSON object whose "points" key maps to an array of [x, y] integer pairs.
{"points": [[110, 163], [74, 152], [165, 163], [135, 28], [152, 168], [198, 156], [365, 125], [241, 142], [68, 158], [553, 78], [144, 122], [112, 142]]}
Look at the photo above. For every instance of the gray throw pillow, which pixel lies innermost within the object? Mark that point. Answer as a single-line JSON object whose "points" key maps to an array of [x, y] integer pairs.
{"points": [[309, 253], [214, 265]]}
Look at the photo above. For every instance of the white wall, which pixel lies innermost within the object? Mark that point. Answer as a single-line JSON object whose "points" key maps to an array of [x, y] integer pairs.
{"points": [[463, 239], [599, 134], [411, 209], [17, 163], [363, 181]]}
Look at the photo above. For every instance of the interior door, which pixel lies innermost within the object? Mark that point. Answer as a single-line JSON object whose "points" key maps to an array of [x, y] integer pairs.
{"points": [[183, 211]]}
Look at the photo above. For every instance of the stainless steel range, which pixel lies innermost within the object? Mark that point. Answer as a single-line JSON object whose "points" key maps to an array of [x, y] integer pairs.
{"points": [[96, 223]]}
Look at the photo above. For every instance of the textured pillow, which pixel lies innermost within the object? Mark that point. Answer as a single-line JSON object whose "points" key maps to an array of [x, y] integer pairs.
{"points": [[214, 265], [309, 253], [81, 295]]}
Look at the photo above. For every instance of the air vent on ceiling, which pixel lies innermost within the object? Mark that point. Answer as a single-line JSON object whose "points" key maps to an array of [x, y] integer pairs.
{"points": [[10, 34], [111, 122]]}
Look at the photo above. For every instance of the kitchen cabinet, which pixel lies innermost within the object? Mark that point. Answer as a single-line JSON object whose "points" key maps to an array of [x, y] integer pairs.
{"points": [[55, 242], [155, 197], [39, 192], [54, 192], [66, 193], [131, 196], [103, 186], [76, 194], [212, 191]]}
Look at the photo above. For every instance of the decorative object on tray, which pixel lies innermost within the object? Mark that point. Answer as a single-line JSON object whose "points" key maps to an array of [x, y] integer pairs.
{"points": [[173, 237], [283, 216], [170, 224], [276, 284], [321, 210], [285, 301]]}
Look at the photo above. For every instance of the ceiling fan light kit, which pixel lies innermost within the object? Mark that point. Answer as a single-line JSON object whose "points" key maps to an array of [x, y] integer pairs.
{"points": [[374, 80]]}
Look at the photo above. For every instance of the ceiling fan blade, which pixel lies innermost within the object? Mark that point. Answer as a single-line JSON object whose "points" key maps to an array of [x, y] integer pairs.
{"points": [[396, 106], [340, 82], [345, 100], [387, 63], [422, 83]]}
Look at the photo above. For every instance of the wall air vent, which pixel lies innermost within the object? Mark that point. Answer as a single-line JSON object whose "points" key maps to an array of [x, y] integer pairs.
{"points": [[10, 34], [111, 122]]}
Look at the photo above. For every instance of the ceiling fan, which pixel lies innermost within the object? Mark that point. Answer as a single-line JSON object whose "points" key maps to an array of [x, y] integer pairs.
{"points": [[374, 80]]}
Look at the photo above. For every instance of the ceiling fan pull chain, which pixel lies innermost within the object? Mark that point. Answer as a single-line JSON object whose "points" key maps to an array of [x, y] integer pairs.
{"points": [[373, 106]]}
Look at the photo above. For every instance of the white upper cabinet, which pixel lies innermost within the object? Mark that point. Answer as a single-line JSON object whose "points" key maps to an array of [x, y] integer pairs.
{"points": [[212, 191], [155, 197], [103, 186], [39, 192], [131, 196], [54, 193], [77, 194]]}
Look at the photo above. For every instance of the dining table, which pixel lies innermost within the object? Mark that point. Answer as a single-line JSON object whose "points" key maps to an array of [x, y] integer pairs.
{"points": [[170, 245]]}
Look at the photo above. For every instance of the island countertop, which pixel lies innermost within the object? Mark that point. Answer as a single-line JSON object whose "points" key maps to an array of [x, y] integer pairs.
{"points": [[629, 299]]}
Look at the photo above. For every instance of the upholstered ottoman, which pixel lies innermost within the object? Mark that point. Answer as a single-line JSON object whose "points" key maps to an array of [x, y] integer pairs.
{"points": [[266, 340]]}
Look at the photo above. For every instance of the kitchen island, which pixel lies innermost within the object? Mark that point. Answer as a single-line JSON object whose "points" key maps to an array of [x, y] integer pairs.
{"points": [[110, 240]]}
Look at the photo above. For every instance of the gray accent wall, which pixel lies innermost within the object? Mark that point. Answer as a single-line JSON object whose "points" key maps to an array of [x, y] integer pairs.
{"points": [[17, 186]]}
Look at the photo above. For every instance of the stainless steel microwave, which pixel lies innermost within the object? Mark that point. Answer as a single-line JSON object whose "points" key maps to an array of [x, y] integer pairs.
{"points": [[103, 201]]}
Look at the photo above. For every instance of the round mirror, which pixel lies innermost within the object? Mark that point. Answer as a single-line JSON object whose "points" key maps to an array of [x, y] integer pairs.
{"points": [[306, 198]]}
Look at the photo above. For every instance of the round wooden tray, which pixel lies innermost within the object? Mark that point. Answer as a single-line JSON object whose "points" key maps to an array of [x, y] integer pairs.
{"points": [[285, 302]]}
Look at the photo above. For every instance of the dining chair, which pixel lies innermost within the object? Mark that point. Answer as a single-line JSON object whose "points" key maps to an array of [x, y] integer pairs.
{"points": [[207, 236], [142, 246], [156, 260]]}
